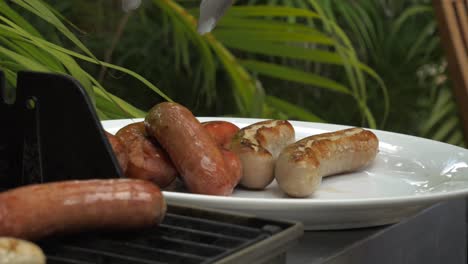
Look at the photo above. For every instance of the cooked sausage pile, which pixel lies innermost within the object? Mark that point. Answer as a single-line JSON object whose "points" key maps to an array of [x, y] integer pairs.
{"points": [[214, 157]]}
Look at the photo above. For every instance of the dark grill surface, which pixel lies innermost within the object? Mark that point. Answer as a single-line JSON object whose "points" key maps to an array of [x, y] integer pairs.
{"points": [[186, 236]]}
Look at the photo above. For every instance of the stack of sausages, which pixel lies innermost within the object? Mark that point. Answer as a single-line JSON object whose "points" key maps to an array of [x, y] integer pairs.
{"points": [[212, 158], [171, 142]]}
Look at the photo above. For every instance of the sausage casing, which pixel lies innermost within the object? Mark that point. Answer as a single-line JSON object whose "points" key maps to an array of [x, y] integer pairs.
{"points": [[301, 166], [36, 211], [146, 160], [258, 145], [195, 154], [120, 151], [221, 131]]}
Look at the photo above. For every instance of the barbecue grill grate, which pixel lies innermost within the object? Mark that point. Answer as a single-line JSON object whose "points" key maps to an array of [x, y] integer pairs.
{"points": [[187, 235]]}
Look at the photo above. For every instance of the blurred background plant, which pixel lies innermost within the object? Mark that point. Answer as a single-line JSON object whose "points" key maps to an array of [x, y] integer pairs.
{"points": [[24, 47], [372, 63], [399, 40]]}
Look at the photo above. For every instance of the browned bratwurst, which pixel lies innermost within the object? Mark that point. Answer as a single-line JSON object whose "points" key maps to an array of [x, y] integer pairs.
{"points": [[120, 151], [195, 154], [147, 161], [301, 166], [36, 211], [258, 145]]}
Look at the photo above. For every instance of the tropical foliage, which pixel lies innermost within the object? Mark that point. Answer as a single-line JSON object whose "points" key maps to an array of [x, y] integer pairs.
{"points": [[364, 63], [399, 40], [22, 47]]}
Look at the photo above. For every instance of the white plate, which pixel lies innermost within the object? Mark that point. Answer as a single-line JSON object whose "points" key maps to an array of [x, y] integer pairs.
{"points": [[409, 174]]}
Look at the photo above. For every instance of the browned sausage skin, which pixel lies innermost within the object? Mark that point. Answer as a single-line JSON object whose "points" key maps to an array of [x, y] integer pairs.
{"points": [[301, 166], [36, 211], [221, 131], [233, 165], [195, 154], [258, 145], [147, 161], [120, 151]]}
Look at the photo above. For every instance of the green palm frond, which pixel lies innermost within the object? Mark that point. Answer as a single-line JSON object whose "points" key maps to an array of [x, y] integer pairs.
{"points": [[262, 50], [399, 40], [268, 43], [22, 47], [443, 123], [244, 86]]}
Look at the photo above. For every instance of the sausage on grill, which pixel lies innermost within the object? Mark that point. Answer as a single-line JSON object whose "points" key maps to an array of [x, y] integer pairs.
{"points": [[36, 211]]}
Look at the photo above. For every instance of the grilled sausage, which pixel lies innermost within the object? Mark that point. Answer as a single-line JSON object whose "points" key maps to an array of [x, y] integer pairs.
{"points": [[233, 165], [221, 131], [17, 251], [301, 166], [120, 151], [147, 160], [258, 146], [36, 211], [195, 154]]}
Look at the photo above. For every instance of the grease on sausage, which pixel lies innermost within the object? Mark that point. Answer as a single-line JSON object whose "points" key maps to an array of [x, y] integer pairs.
{"points": [[221, 131], [120, 151], [195, 154], [36, 211], [146, 160]]}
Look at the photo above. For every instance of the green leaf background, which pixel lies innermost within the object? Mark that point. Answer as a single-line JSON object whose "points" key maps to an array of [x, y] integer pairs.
{"points": [[375, 64]]}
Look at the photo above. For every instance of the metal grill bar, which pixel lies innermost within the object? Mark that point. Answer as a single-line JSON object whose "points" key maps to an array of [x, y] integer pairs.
{"points": [[96, 256], [64, 260], [212, 226], [88, 254], [158, 252], [224, 241], [179, 239], [193, 247]]}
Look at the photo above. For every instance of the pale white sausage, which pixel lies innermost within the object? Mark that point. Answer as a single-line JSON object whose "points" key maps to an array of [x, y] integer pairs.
{"points": [[258, 146], [301, 166]]}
